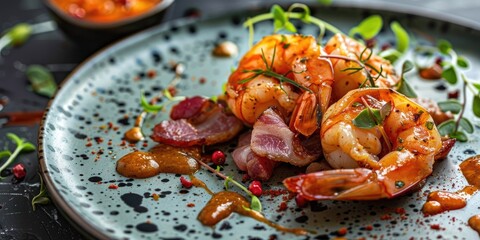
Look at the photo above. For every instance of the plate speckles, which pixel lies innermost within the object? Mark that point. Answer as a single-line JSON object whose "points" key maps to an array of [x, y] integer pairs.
{"points": [[81, 140]]}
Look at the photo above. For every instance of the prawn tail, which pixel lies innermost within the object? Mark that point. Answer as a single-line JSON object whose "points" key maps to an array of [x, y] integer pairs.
{"points": [[340, 184], [305, 118]]}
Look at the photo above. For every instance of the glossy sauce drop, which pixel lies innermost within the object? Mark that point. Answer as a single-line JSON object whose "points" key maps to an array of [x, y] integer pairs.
{"points": [[440, 201], [21, 118], [135, 134], [222, 204], [160, 159], [474, 222]]}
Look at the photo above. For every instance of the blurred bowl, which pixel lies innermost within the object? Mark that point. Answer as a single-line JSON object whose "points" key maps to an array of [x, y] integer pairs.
{"points": [[97, 34]]}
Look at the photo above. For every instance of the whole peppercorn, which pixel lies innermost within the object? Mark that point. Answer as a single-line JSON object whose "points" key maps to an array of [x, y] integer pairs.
{"points": [[218, 157], [256, 188], [19, 171]]}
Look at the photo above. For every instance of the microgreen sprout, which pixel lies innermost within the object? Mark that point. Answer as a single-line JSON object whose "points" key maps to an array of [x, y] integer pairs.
{"points": [[255, 203], [281, 20], [402, 86], [370, 118], [42, 197], [367, 28], [22, 146], [452, 65], [20, 33]]}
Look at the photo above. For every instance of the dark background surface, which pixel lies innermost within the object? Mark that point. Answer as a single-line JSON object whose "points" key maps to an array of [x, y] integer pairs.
{"points": [[55, 51]]}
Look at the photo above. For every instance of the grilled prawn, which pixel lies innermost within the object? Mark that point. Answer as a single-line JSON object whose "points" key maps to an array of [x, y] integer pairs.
{"points": [[383, 161]]}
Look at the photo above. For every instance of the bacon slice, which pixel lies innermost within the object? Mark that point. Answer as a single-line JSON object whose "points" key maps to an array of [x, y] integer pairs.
{"points": [[272, 138], [257, 167], [204, 124]]}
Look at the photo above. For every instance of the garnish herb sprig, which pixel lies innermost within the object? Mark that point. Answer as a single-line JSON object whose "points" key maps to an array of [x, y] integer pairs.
{"points": [[42, 197], [452, 67], [403, 86], [255, 203], [41, 80], [370, 118], [268, 72], [281, 20], [20, 33], [22, 146]]}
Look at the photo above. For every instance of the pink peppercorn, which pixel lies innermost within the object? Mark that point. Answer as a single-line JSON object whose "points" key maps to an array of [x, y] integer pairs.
{"points": [[185, 183], [256, 188], [218, 157], [19, 171]]}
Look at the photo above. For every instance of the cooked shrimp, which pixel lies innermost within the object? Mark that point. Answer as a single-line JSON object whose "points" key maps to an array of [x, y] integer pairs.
{"points": [[383, 161], [346, 80], [296, 57]]}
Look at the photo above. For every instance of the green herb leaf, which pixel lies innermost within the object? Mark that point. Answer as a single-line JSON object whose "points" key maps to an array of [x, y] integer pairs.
{"points": [[5, 153], [42, 80], [450, 74], [147, 107], [279, 17], [22, 146], [228, 179], [466, 125], [385, 111], [42, 196], [476, 85], [451, 105], [401, 35], [19, 33], [462, 62], [391, 55], [255, 204], [447, 127], [368, 28], [403, 86], [365, 120], [460, 136], [407, 66], [476, 105], [290, 27], [325, 2], [444, 46]]}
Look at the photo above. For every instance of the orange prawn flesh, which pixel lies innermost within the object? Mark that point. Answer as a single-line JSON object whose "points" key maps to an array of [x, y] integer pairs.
{"points": [[372, 170], [296, 57], [347, 80]]}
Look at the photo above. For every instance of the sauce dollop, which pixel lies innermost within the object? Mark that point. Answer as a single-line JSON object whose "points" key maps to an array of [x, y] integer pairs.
{"points": [[474, 222], [440, 201], [160, 159], [224, 203], [104, 11]]}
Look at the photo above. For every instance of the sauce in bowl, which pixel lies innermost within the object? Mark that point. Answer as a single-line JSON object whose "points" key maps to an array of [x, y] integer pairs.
{"points": [[104, 11]]}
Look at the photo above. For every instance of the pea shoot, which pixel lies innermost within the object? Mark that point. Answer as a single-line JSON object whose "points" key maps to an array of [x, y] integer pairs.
{"points": [[371, 117], [21, 146], [20, 33]]}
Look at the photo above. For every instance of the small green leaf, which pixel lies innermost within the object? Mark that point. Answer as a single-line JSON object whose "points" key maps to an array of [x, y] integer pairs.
{"points": [[429, 125], [447, 127], [42, 80], [462, 62], [17, 140], [255, 204], [477, 86], [391, 54], [147, 107], [450, 74], [364, 120], [466, 125], [385, 111], [444, 46], [405, 89], [28, 147], [325, 2], [402, 38], [279, 17], [226, 183], [5, 153], [476, 105], [290, 27], [19, 34], [451, 105], [368, 28], [460, 136], [407, 66]]}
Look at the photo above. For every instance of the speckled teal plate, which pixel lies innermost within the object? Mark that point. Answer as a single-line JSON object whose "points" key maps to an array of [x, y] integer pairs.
{"points": [[81, 140]]}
